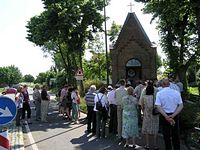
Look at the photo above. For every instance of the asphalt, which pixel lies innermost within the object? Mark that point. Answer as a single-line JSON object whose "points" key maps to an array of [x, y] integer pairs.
{"points": [[16, 137], [110, 142], [17, 142]]}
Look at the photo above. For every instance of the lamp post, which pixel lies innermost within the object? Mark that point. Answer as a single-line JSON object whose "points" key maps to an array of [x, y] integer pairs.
{"points": [[106, 44]]}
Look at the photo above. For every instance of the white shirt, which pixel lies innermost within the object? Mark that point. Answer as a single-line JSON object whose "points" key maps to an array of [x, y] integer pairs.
{"points": [[138, 90], [19, 100], [168, 99], [103, 98], [174, 86], [74, 97], [111, 97], [180, 85], [119, 93]]}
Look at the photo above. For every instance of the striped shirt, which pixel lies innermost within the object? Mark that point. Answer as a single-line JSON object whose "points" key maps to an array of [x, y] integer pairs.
{"points": [[89, 98]]}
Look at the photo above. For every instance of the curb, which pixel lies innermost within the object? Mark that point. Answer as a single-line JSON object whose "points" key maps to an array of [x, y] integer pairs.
{"points": [[16, 138]]}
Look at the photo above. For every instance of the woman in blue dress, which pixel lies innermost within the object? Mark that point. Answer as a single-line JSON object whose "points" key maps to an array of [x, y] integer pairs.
{"points": [[130, 117]]}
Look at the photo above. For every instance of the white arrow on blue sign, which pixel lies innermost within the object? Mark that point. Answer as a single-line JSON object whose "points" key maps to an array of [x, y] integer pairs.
{"points": [[8, 110]]}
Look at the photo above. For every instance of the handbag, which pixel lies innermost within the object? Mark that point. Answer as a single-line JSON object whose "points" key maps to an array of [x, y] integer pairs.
{"points": [[99, 106], [155, 110]]}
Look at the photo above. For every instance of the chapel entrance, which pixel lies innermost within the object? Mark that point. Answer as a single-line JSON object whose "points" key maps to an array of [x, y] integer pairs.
{"points": [[133, 71]]}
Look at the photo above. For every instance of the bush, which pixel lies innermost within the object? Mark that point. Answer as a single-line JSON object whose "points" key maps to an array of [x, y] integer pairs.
{"points": [[88, 83], [190, 118], [193, 90]]}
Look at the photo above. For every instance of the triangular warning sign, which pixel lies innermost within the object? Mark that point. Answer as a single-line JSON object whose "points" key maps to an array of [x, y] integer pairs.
{"points": [[79, 72]]}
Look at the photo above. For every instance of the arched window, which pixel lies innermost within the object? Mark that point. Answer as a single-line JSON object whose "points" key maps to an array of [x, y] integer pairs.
{"points": [[133, 63]]}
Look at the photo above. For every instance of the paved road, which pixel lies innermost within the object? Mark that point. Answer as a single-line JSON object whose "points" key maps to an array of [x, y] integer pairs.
{"points": [[61, 134]]}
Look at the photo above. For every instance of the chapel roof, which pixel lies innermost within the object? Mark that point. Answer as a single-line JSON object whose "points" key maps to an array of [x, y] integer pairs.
{"points": [[132, 30]]}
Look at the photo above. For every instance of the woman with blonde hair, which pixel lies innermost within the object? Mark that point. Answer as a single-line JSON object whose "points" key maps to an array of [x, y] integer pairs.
{"points": [[129, 117]]}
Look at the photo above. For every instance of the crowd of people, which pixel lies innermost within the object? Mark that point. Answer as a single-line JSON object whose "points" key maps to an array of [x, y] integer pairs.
{"points": [[23, 105], [69, 100], [22, 101], [127, 108]]}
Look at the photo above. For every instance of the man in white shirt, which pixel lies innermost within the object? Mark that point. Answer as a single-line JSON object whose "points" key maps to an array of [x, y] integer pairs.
{"points": [[119, 93], [113, 110], [173, 85], [169, 104], [180, 85]]}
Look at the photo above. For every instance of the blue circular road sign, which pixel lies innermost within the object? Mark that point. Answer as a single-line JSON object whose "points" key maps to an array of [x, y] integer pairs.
{"points": [[8, 110]]}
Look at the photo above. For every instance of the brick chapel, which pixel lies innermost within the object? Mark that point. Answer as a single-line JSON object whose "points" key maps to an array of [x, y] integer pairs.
{"points": [[133, 57]]}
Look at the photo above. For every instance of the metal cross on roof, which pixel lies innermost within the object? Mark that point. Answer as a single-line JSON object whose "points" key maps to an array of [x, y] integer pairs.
{"points": [[131, 7]]}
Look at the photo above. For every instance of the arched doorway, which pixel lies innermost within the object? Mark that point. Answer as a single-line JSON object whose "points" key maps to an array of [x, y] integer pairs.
{"points": [[133, 71]]}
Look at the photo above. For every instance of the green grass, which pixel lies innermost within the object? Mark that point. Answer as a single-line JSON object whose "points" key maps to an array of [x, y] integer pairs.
{"points": [[193, 90]]}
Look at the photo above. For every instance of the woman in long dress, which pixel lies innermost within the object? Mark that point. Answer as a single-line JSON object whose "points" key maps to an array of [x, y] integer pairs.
{"points": [[129, 117], [150, 125]]}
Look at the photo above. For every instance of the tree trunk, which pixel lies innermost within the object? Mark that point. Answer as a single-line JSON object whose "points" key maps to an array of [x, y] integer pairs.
{"points": [[82, 91], [183, 78], [69, 70]]}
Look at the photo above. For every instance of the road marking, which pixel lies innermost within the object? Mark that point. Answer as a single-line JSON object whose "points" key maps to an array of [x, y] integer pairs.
{"points": [[32, 142]]}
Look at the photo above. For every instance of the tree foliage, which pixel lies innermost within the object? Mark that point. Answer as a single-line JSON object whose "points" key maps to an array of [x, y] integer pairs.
{"points": [[179, 27], [95, 68], [28, 78], [114, 32], [41, 78], [63, 28], [10, 75]]}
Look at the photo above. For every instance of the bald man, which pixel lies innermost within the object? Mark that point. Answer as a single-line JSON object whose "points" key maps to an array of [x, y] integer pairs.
{"points": [[169, 104]]}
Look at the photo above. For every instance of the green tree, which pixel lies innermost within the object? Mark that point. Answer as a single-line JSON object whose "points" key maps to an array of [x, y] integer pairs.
{"points": [[95, 68], [28, 78], [10, 75], [114, 32], [41, 78], [179, 26], [63, 29]]}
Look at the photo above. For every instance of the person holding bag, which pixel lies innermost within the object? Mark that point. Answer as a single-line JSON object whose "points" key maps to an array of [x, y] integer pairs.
{"points": [[150, 125], [102, 113]]}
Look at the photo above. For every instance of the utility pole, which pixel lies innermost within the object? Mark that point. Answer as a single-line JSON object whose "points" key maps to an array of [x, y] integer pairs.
{"points": [[106, 44]]}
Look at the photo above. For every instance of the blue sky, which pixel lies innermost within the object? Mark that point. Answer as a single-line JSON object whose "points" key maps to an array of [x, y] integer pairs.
{"points": [[16, 50]]}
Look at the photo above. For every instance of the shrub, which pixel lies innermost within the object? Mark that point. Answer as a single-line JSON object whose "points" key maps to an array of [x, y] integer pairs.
{"points": [[193, 90], [88, 83], [190, 118]]}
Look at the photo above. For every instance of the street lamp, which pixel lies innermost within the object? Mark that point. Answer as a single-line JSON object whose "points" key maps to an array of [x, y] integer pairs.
{"points": [[107, 64]]}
